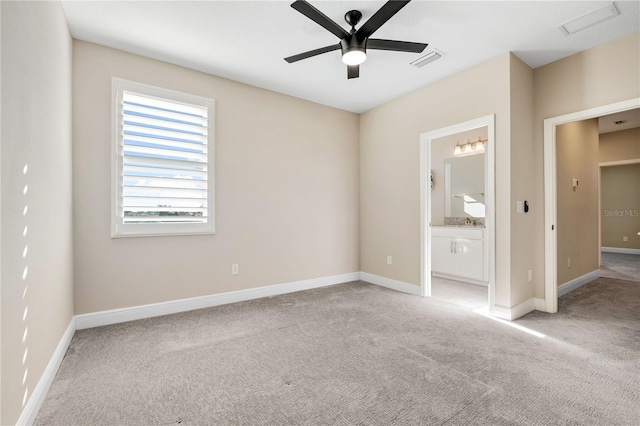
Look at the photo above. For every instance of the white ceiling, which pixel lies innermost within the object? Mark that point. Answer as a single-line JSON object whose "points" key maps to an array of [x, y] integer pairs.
{"points": [[246, 41]]}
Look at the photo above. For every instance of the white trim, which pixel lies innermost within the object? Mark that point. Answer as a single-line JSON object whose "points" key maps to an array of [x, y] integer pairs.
{"points": [[125, 230], [425, 200], [390, 283], [31, 409], [113, 316], [540, 304], [550, 207], [578, 282], [514, 312], [619, 163], [620, 250]]}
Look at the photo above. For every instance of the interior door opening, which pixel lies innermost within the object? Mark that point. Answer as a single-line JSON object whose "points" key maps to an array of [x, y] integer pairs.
{"points": [[457, 214], [619, 202], [570, 263]]}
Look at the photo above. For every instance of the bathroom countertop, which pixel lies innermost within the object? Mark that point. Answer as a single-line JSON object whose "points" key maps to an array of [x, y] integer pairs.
{"points": [[459, 226]]}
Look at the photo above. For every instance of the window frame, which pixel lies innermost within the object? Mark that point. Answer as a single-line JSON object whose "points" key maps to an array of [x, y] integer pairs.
{"points": [[120, 229]]}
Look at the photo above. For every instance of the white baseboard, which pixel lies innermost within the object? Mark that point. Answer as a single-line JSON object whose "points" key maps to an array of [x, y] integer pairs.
{"points": [[515, 312], [620, 250], [97, 319], [540, 304], [39, 393], [389, 283], [569, 286]]}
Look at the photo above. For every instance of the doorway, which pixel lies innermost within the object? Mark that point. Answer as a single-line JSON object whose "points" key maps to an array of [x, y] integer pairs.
{"points": [[458, 219], [619, 225], [551, 192]]}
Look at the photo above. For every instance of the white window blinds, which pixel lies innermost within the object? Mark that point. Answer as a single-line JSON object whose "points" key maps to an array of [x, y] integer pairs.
{"points": [[163, 164]]}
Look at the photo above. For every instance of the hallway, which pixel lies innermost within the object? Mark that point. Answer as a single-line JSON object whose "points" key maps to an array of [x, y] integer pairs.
{"points": [[620, 266]]}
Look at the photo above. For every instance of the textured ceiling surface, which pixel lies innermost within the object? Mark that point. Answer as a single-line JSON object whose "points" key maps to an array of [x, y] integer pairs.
{"points": [[246, 41]]}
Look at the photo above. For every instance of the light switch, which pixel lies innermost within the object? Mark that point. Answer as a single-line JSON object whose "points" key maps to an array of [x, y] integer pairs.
{"points": [[519, 206]]}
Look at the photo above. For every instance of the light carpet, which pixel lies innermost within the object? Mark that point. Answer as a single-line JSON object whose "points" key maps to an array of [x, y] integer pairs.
{"points": [[359, 354]]}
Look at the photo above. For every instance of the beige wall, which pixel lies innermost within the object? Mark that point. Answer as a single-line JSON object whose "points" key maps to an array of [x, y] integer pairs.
{"points": [[441, 149], [522, 185], [620, 206], [618, 146], [36, 131], [577, 236], [390, 168], [599, 76], [286, 191]]}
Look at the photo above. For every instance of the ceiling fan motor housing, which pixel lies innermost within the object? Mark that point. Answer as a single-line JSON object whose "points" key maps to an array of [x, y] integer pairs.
{"points": [[353, 42]]}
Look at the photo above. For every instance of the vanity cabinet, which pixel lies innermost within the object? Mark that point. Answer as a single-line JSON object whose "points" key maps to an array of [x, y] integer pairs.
{"points": [[459, 252]]}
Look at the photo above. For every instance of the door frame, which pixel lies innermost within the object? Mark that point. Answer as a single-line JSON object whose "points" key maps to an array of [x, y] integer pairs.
{"points": [[426, 140], [550, 182]]}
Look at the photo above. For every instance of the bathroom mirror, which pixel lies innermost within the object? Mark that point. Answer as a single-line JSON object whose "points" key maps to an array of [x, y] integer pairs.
{"points": [[464, 192]]}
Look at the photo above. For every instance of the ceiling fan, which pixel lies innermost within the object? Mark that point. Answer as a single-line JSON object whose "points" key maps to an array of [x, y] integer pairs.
{"points": [[354, 44]]}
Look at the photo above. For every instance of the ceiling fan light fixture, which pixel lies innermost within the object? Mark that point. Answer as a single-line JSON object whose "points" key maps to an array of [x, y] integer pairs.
{"points": [[355, 56]]}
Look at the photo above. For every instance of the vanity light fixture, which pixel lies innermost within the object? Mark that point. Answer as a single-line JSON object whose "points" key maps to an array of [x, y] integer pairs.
{"points": [[470, 147], [458, 149], [467, 146], [479, 145]]}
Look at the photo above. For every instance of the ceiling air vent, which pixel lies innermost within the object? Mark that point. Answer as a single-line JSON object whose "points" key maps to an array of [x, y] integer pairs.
{"points": [[433, 55], [619, 122], [589, 19]]}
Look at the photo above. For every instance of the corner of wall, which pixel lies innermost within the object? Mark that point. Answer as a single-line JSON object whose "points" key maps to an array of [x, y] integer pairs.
{"points": [[526, 159]]}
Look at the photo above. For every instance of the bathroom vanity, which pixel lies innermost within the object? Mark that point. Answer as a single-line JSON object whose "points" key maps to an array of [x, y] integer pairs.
{"points": [[459, 253]]}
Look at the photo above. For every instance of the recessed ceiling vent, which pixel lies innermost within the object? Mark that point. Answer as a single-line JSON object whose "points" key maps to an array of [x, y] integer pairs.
{"points": [[433, 55], [619, 122], [589, 19]]}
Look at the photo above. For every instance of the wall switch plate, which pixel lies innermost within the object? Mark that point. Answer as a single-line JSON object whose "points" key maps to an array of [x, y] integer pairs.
{"points": [[234, 269], [568, 262], [625, 238], [530, 274], [519, 206], [389, 261]]}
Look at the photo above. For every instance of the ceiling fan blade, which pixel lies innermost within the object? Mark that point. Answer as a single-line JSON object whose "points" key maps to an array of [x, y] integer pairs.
{"points": [[318, 17], [353, 71], [311, 53], [385, 13], [395, 45]]}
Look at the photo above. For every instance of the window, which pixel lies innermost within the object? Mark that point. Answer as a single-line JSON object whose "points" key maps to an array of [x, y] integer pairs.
{"points": [[163, 162]]}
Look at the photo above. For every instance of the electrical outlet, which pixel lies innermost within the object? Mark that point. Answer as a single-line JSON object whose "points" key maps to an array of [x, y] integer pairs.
{"points": [[530, 274], [234, 269], [389, 260], [568, 262], [625, 238]]}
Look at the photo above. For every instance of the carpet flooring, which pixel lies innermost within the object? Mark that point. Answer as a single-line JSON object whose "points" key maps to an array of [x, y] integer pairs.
{"points": [[621, 266], [356, 354]]}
